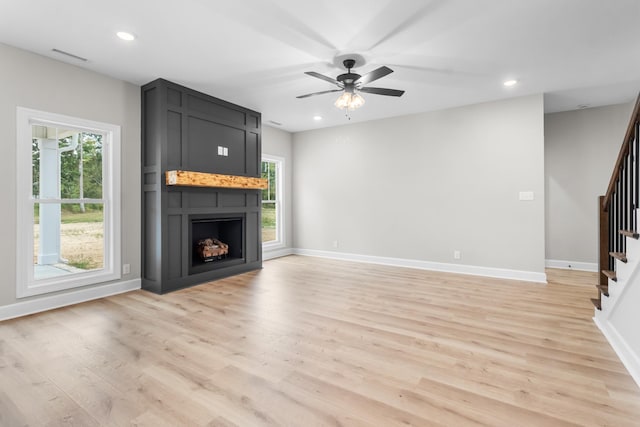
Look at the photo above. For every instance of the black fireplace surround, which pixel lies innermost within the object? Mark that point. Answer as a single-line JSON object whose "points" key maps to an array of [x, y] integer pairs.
{"points": [[182, 130]]}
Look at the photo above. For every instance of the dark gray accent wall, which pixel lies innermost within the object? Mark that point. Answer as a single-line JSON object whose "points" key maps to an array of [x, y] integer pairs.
{"points": [[181, 130]]}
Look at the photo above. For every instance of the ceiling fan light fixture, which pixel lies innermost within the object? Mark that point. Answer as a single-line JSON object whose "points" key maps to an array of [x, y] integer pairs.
{"points": [[343, 100], [349, 101], [357, 101]]}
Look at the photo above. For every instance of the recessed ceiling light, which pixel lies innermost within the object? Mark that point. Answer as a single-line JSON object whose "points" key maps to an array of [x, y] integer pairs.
{"points": [[317, 118], [125, 36], [510, 83]]}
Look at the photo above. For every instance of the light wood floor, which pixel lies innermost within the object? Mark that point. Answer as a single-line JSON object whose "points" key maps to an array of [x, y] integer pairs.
{"points": [[315, 342]]}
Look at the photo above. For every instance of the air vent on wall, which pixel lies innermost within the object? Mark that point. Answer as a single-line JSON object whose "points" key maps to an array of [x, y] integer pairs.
{"points": [[71, 55], [275, 123]]}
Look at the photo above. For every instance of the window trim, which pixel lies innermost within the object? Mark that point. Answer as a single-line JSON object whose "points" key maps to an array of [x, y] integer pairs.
{"points": [[279, 202], [26, 285]]}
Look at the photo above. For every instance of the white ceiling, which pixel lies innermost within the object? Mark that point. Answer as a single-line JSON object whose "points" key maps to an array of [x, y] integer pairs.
{"points": [[445, 53]]}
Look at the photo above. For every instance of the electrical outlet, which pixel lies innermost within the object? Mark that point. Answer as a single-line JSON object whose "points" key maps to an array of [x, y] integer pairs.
{"points": [[525, 195], [335, 244], [457, 255], [126, 268]]}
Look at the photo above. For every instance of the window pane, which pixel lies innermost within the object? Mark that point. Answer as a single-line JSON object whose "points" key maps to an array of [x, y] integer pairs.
{"points": [[271, 228], [68, 239], [69, 167], [272, 181], [66, 163], [265, 175], [269, 172], [91, 171], [35, 164], [269, 222]]}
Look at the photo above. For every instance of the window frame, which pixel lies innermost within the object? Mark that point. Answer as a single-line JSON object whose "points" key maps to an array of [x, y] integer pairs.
{"points": [[279, 242], [26, 284]]}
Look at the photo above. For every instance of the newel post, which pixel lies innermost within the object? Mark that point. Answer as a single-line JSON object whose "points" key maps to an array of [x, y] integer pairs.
{"points": [[603, 241]]}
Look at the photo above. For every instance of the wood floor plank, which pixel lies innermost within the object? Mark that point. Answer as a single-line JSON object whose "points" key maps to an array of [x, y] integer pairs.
{"points": [[103, 401], [38, 399], [317, 342], [372, 410], [490, 411], [10, 414]]}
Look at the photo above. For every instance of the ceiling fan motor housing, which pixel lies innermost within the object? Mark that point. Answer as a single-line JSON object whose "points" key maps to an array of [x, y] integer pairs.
{"points": [[348, 78]]}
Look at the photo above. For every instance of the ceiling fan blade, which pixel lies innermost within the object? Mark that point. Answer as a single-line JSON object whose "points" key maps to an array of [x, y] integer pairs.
{"points": [[382, 91], [319, 93], [374, 75], [322, 77]]}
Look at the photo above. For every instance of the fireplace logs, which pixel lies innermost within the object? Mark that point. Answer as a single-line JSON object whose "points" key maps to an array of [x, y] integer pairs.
{"points": [[211, 249]]}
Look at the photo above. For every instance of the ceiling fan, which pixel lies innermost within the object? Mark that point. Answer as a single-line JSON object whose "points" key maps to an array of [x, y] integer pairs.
{"points": [[352, 84]]}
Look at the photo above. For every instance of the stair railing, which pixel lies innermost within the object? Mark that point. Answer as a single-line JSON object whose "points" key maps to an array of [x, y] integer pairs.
{"points": [[616, 208]]}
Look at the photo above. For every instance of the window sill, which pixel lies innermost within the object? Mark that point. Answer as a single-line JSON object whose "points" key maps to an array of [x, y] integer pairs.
{"points": [[55, 284]]}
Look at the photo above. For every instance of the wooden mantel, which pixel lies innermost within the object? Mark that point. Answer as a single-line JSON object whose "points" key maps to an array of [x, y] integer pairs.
{"points": [[202, 179]]}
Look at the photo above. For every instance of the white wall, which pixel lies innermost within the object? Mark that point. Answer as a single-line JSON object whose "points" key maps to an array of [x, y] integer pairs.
{"points": [[581, 148], [36, 82], [277, 142], [419, 187]]}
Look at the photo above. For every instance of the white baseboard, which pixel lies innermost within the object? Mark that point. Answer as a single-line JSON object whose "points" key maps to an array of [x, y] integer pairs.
{"points": [[571, 265], [277, 253], [38, 304], [629, 359], [527, 276]]}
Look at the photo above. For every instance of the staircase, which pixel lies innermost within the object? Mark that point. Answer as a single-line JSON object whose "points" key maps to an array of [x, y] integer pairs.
{"points": [[618, 218], [617, 307]]}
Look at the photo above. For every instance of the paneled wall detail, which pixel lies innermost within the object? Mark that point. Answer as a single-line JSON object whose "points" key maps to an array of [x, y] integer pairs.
{"points": [[188, 131]]}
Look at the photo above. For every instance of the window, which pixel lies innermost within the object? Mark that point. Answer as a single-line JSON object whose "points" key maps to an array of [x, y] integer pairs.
{"points": [[272, 224], [68, 202]]}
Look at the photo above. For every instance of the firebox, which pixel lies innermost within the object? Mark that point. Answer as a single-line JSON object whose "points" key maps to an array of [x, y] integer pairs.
{"points": [[215, 241], [192, 136]]}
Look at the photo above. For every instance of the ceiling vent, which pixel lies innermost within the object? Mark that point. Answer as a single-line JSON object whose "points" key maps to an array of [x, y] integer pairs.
{"points": [[70, 55]]}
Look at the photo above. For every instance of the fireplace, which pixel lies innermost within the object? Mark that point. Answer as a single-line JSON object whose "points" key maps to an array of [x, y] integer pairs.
{"points": [[223, 230], [201, 179]]}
